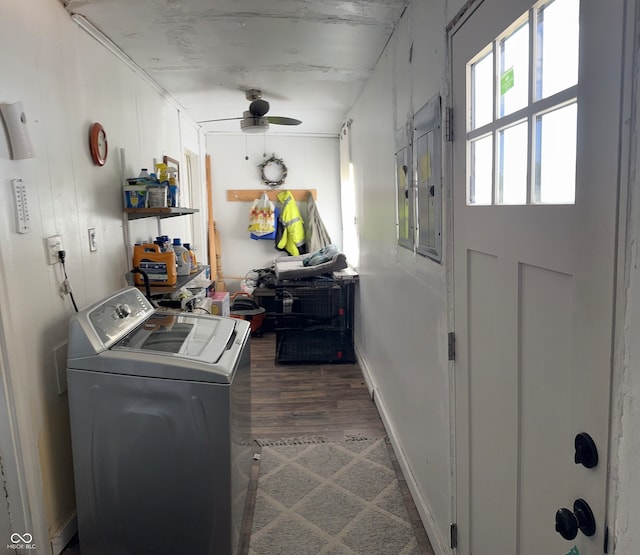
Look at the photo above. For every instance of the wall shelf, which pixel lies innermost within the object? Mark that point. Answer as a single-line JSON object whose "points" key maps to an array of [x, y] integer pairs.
{"points": [[181, 282], [137, 213]]}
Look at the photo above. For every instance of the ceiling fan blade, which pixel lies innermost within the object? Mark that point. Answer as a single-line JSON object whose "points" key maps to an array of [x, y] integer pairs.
{"points": [[212, 120], [280, 120]]}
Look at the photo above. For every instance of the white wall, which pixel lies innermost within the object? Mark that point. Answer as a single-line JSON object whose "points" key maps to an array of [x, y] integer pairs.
{"points": [[403, 319], [67, 81], [312, 163], [404, 302], [624, 504], [625, 456]]}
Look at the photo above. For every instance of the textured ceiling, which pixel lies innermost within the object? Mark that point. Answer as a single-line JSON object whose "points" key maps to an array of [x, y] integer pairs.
{"points": [[309, 57]]}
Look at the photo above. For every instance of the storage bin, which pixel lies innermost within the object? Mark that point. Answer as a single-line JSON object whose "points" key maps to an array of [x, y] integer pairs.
{"points": [[135, 196], [243, 306], [157, 196]]}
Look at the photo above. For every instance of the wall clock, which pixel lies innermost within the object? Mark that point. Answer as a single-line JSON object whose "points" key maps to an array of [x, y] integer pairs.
{"points": [[98, 144]]}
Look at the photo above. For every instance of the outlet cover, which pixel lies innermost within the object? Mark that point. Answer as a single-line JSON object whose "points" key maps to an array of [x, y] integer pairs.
{"points": [[53, 245]]}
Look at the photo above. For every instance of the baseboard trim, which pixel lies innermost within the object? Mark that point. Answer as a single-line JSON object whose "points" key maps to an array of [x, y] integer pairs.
{"points": [[438, 542], [368, 380], [64, 534]]}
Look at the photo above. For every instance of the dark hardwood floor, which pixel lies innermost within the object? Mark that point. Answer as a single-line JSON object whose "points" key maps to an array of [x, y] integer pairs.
{"points": [[320, 401], [325, 401], [328, 400]]}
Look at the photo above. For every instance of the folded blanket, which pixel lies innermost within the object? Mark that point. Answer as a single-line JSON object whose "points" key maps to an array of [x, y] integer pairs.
{"points": [[325, 254], [293, 267]]}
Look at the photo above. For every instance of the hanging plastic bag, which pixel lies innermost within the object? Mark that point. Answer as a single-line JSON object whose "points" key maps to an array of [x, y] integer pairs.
{"points": [[271, 235], [262, 219]]}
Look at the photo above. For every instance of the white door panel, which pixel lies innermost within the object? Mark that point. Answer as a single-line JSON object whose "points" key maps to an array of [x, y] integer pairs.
{"points": [[492, 446], [533, 294]]}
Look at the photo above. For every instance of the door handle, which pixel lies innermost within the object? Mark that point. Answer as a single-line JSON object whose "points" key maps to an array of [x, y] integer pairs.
{"points": [[568, 523], [586, 450]]}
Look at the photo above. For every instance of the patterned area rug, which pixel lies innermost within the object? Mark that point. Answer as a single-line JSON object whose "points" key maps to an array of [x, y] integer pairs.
{"points": [[329, 499]]}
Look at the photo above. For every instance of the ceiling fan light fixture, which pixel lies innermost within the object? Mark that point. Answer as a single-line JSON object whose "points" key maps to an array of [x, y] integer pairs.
{"points": [[252, 124]]}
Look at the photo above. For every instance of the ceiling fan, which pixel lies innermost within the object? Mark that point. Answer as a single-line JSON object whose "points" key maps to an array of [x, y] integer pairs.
{"points": [[255, 119]]}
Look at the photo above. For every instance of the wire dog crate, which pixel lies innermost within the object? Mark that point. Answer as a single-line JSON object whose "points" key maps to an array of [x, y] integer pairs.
{"points": [[314, 321]]}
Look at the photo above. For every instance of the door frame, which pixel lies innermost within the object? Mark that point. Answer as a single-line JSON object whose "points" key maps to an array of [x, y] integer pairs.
{"points": [[458, 20], [628, 186], [14, 479], [628, 165], [448, 171]]}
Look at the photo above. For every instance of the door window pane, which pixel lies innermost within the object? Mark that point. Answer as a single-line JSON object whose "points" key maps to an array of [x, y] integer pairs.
{"points": [[524, 101], [512, 174], [558, 40], [514, 71], [556, 135], [482, 92], [480, 179]]}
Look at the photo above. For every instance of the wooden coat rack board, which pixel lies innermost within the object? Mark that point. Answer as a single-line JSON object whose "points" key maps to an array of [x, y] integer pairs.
{"points": [[249, 195]]}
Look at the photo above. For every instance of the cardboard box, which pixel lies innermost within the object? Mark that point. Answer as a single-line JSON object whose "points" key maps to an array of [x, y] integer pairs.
{"points": [[220, 303]]}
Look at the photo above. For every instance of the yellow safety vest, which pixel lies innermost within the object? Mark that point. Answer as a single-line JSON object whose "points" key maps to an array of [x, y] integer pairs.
{"points": [[293, 234]]}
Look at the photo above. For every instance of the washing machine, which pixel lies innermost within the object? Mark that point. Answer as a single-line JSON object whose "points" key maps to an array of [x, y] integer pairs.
{"points": [[161, 428]]}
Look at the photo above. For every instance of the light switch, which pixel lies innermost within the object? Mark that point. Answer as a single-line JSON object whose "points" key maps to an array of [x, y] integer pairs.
{"points": [[93, 242]]}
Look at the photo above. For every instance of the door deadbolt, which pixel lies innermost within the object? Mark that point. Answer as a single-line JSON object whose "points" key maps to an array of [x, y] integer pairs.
{"points": [[568, 523], [586, 450]]}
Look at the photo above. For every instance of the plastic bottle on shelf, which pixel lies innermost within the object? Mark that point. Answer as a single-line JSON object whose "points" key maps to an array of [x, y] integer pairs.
{"points": [[144, 174], [183, 259], [192, 255], [159, 266], [161, 172], [174, 187], [164, 242]]}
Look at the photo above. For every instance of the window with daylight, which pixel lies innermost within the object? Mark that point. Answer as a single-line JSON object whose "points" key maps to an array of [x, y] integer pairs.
{"points": [[522, 110]]}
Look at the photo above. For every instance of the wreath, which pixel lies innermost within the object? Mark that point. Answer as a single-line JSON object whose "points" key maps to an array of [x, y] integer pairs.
{"points": [[273, 171]]}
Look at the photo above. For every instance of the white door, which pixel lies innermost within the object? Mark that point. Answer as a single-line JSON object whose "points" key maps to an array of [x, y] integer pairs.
{"points": [[536, 143]]}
